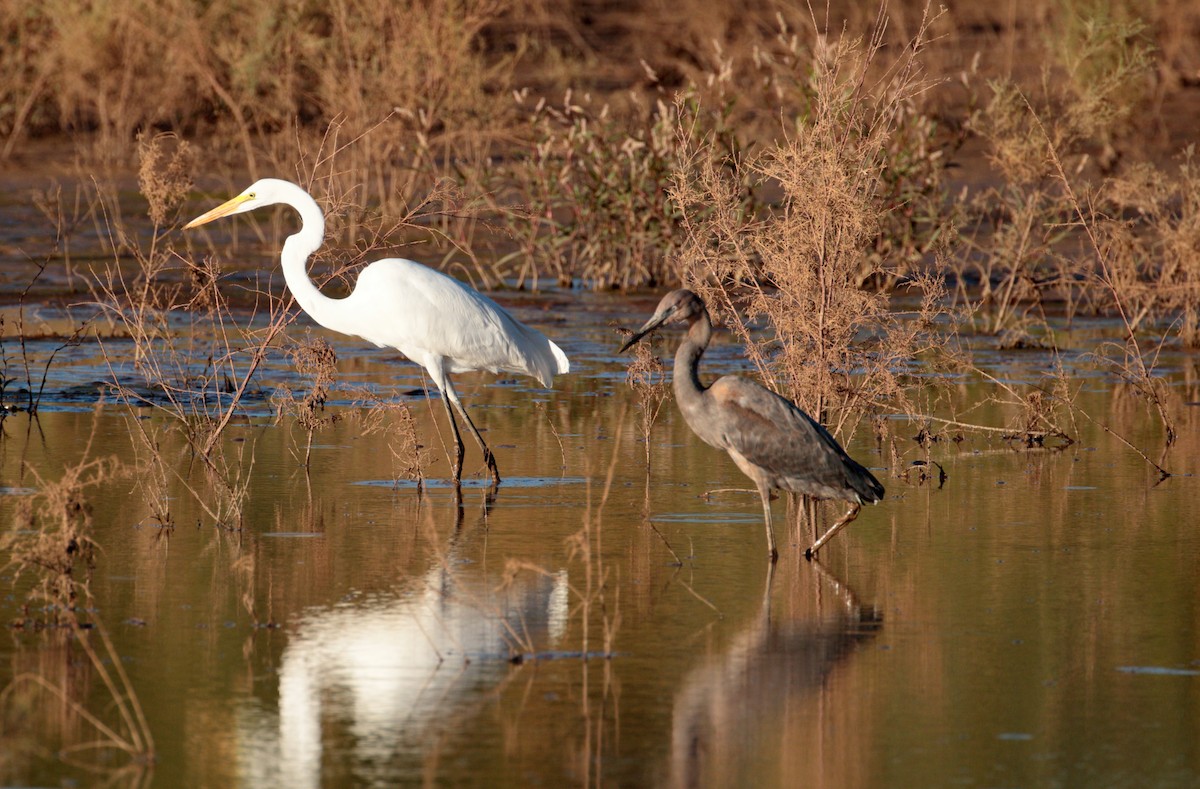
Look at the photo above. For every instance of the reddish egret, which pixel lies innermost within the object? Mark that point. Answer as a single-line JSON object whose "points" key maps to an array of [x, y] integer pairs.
{"points": [[434, 320], [771, 440]]}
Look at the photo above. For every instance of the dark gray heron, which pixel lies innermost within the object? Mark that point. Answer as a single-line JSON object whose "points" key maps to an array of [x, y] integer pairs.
{"points": [[770, 439]]}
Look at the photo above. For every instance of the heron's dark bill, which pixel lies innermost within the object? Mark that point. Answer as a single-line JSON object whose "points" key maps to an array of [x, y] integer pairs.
{"points": [[650, 326], [640, 333], [632, 341]]}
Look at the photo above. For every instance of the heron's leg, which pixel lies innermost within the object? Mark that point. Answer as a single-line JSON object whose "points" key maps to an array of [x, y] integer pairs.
{"points": [[764, 492], [488, 457], [850, 515], [458, 508], [766, 601]]}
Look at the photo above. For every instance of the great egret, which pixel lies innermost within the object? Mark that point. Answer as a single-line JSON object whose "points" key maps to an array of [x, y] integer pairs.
{"points": [[770, 439], [434, 320]]}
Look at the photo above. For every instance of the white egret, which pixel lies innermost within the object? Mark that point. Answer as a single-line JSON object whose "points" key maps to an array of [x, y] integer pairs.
{"points": [[434, 320], [770, 439]]}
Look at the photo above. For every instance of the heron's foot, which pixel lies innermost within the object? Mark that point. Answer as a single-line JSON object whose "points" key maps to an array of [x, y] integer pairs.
{"points": [[490, 459], [457, 466]]}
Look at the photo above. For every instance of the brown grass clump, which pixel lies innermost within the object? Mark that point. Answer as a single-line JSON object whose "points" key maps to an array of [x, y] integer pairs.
{"points": [[407, 83], [805, 268], [802, 266], [394, 419], [423, 60], [1022, 245], [1137, 366], [164, 178], [249, 68], [647, 376], [1149, 240], [194, 371], [104, 67], [51, 539], [593, 191], [316, 360]]}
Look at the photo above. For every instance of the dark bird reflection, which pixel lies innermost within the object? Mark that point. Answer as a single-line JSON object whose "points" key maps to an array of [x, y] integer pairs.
{"points": [[741, 709]]}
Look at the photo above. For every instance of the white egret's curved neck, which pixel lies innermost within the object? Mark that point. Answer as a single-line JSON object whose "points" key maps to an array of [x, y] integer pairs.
{"points": [[298, 247]]}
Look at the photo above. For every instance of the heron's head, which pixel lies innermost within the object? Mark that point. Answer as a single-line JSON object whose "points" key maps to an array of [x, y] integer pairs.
{"points": [[677, 306], [267, 191]]}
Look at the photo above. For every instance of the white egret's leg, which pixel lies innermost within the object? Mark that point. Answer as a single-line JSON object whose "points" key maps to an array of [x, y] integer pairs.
{"points": [[488, 457], [442, 381], [450, 396], [850, 515], [458, 444]]}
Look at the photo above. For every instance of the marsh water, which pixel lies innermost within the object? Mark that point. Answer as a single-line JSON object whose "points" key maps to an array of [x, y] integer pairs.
{"points": [[608, 616]]}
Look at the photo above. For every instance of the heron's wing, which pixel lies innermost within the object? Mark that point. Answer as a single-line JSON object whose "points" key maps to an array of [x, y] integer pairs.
{"points": [[775, 435], [421, 311]]}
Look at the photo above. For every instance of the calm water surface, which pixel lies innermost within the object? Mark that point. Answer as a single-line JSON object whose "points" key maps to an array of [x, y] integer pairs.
{"points": [[1033, 622]]}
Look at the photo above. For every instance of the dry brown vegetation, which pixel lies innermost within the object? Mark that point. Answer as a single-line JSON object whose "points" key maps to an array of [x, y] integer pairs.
{"points": [[647, 377], [51, 542], [800, 168], [51, 553]]}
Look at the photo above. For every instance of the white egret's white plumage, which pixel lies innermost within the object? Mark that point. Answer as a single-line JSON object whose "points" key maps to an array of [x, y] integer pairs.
{"points": [[434, 320], [770, 439]]}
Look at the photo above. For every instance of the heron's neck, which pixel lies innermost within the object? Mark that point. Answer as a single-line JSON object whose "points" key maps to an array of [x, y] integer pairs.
{"points": [[296, 250], [687, 359]]}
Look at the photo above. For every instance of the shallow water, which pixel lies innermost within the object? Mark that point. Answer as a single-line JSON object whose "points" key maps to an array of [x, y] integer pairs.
{"points": [[1035, 621]]}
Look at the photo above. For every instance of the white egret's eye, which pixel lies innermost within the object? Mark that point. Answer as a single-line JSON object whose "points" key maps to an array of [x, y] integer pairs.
{"points": [[250, 196]]}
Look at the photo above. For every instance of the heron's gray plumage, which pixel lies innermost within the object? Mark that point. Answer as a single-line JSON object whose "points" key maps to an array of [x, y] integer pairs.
{"points": [[770, 439], [794, 451]]}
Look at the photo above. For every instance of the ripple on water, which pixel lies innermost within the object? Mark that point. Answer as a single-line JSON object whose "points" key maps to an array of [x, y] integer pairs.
{"points": [[509, 482], [1160, 671], [707, 517]]}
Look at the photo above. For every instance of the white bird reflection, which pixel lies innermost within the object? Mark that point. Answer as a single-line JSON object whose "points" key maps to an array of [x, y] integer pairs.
{"points": [[385, 672]]}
